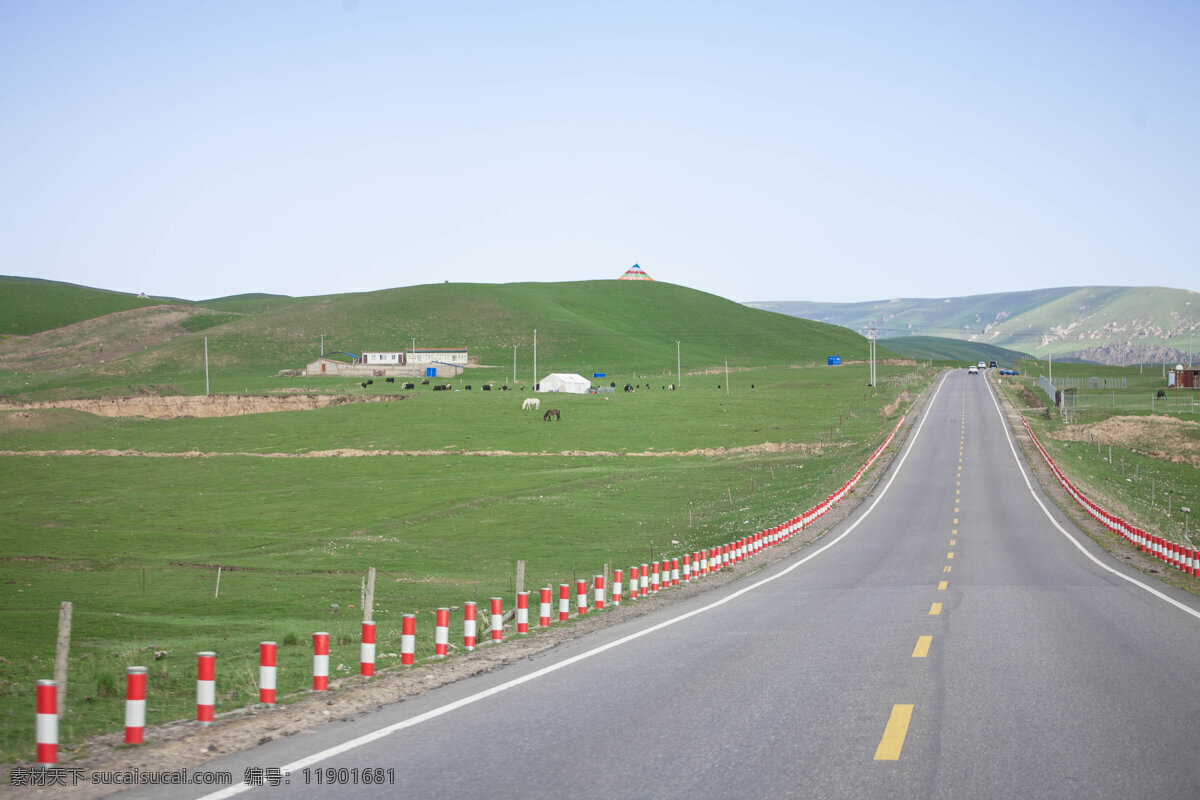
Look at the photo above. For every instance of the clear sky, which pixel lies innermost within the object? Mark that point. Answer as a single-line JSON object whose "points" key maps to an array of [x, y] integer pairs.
{"points": [[835, 151]]}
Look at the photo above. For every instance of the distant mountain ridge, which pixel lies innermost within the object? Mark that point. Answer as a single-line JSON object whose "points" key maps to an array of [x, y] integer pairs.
{"points": [[1106, 324]]}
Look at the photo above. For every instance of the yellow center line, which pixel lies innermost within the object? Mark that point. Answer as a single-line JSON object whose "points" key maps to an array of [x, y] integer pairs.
{"points": [[950, 554], [894, 733], [922, 648], [942, 585], [956, 520], [953, 542], [935, 609], [946, 568], [958, 491]]}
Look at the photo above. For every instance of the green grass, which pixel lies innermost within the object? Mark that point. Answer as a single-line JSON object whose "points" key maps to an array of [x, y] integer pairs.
{"points": [[134, 542], [32, 305]]}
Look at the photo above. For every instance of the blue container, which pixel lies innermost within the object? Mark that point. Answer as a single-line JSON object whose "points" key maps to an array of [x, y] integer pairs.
{"points": [[834, 361]]}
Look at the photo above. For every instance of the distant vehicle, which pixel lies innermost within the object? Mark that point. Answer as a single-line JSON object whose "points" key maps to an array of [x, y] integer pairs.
{"points": [[993, 365], [972, 370], [982, 365]]}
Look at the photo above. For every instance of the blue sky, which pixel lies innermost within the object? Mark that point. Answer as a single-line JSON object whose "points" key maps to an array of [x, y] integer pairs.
{"points": [[760, 151]]}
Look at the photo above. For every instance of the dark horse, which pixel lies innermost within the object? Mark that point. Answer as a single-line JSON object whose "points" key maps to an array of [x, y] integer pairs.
{"points": [[552, 413]]}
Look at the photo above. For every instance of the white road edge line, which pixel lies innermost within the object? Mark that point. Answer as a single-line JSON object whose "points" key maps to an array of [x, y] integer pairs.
{"points": [[1013, 448], [367, 738]]}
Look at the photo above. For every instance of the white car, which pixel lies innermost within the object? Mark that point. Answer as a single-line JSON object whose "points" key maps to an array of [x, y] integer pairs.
{"points": [[982, 365], [972, 370]]}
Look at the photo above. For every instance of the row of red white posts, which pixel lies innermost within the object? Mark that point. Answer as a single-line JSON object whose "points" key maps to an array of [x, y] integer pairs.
{"points": [[1175, 555], [644, 580]]}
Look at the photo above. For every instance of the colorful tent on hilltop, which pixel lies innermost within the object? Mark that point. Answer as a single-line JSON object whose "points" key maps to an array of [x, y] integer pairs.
{"points": [[635, 273]]}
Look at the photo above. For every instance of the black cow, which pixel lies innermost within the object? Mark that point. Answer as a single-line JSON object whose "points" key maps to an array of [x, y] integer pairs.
{"points": [[629, 387], [370, 382], [467, 387], [504, 388], [363, 385], [441, 387], [409, 386], [390, 380], [1161, 394], [487, 387]]}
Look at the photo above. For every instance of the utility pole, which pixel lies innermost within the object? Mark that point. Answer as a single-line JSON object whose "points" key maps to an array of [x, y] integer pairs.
{"points": [[322, 345], [678, 367], [514, 363], [535, 359], [206, 366]]}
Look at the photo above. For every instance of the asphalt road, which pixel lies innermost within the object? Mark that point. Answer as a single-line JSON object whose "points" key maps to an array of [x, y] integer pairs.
{"points": [[948, 640]]}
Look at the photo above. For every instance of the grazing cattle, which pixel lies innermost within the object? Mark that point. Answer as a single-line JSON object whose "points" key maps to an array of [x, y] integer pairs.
{"points": [[370, 382], [531, 402], [487, 387], [552, 413], [671, 387], [1161, 394], [363, 385], [425, 382], [442, 387], [629, 387], [389, 380], [409, 386], [504, 388], [467, 387], [612, 386]]}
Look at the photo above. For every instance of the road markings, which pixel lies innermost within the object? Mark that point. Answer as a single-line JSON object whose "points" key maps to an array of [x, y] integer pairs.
{"points": [[946, 568], [942, 585], [922, 648], [953, 542], [956, 520], [893, 735], [950, 554], [935, 609]]}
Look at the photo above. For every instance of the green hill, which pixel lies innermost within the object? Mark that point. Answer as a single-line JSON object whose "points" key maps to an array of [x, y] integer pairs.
{"points": [[938, 348], [32, 305], [1105, 324], [615, 327]]}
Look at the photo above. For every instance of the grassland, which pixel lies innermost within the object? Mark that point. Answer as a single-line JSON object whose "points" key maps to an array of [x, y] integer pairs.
{"points": [[134, 541]]}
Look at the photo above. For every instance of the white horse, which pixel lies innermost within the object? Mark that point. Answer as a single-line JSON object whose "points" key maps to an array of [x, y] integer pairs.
{"points": [[531, 402]]}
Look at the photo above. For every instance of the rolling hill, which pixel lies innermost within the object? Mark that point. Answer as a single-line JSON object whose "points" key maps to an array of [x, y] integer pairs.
{"points": [[1105, 324], [587, 326]]}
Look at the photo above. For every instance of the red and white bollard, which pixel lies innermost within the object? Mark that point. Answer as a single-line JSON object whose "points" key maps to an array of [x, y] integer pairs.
{"points": [[581, 604], [469, 625], [564, 602], [497, 620], [441, 633], [266, 673], [47, 723], [654, 577], [544, 608], [408, 640], [320, 661], [367, 652], [618, 578], [634, 578], [674, 571], [135, 705], [598, 592], [522, 612], [687, 568], [206, 687], [645, 590]]}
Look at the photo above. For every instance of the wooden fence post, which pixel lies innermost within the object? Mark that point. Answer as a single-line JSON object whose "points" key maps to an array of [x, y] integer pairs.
{"points": [[62, 651]]}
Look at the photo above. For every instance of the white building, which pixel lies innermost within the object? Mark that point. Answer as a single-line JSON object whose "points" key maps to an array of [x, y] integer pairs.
{"points": [[393, 359], [438, 355]]}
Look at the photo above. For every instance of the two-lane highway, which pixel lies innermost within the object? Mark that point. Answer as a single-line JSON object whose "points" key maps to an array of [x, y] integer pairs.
{"points": [[948, 640]]}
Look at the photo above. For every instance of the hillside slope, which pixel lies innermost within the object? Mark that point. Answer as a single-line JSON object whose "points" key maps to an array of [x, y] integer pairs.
{"points": [[32, 305], [589, 326], [1106, 324]]}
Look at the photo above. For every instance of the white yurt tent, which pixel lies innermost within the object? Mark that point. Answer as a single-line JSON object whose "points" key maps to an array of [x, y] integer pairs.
{"points": [[564, 382]]}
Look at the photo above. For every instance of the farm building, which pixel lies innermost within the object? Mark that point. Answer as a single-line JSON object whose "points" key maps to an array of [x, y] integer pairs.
{"points": [[344, 369], [392, 359], [438, 355], [564, 382], [1184, 378]]}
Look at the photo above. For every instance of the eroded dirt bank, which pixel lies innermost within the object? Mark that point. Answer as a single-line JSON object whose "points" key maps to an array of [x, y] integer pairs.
{"points": [[155, 406]]}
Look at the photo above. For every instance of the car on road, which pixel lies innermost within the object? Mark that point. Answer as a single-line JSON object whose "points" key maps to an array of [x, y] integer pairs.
{"points": [[982, 365], [972, 370]]}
